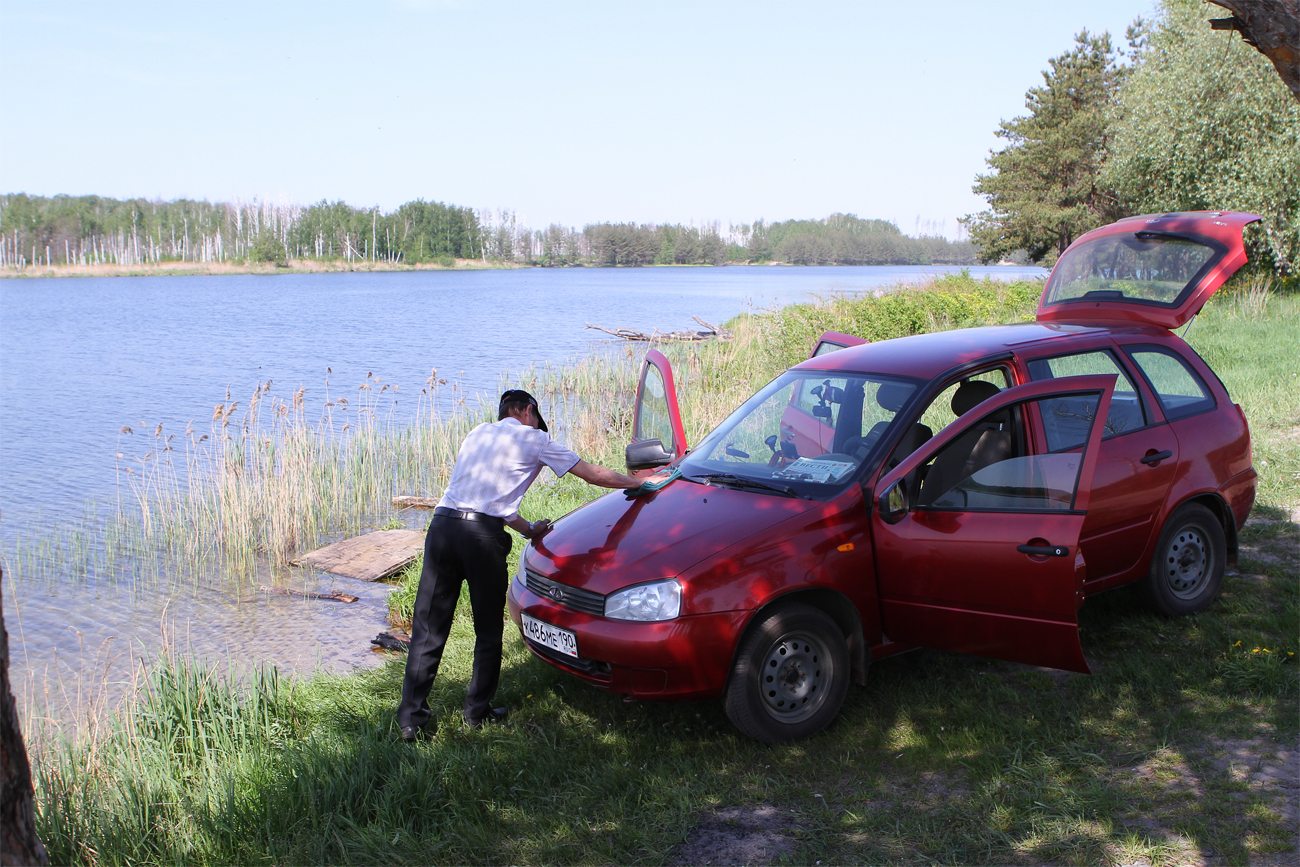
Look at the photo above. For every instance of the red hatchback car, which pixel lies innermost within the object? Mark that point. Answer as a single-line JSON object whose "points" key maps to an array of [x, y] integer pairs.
{"points": [[964, 490]]}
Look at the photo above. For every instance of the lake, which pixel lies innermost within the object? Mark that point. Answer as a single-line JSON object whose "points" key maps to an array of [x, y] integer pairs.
{"points": [[83, 358]]}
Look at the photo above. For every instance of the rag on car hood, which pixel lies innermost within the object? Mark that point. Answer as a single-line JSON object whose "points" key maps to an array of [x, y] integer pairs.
{"points": [[619, 541]]}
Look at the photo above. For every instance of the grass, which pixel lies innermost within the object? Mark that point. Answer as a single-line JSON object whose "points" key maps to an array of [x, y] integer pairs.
{"points": [[1161, 756]]}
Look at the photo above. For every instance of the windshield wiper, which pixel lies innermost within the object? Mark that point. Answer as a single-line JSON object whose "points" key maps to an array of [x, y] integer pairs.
{"points": [[730, 480]]}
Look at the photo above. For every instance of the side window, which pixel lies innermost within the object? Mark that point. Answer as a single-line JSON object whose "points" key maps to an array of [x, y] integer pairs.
{"points": [[940, 413], [983, 469], [826, 347], [652, 418], [1066, 420], [1180, 391], [964, 394]]}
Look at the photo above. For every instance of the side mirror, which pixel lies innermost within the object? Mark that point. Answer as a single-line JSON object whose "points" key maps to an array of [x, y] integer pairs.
{"points": [[893, 502], [647, 454]]}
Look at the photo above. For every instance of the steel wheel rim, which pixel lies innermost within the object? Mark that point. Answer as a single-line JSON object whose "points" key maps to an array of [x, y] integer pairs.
{"points": [[794, 677], [1187, 562]]}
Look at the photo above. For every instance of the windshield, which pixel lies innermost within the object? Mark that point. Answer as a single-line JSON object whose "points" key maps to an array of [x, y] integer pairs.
{"points": [[805, 433], [1146, 267]]}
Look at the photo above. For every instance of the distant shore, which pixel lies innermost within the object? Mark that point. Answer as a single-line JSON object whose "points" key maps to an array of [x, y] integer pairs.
{"points": [[304, 266], [214, 269]]}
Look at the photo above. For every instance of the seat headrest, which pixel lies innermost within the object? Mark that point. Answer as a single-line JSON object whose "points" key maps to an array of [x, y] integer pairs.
{"points": [[971, 394], [892, 395]]}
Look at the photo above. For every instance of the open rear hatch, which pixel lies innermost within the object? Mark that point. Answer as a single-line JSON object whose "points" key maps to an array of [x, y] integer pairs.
{"points": [[1156, 269]]}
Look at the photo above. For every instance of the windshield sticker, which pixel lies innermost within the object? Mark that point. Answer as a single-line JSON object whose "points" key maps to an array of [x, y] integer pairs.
{"points": [[815, 470]]}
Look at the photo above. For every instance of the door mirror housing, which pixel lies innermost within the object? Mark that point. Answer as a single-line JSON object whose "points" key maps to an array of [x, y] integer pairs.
{"points": [[894, 502], [647, 454]]}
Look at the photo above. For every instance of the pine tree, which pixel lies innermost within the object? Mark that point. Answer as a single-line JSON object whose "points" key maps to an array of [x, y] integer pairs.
{"points": [[1043, 191]]}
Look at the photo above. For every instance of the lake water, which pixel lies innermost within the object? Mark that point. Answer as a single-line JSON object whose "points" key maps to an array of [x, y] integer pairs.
{"points": [[80, 359]]}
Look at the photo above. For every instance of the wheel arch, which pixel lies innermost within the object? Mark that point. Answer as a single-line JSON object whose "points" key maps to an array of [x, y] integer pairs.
{"points": [[835, 605], [1223, 512]]}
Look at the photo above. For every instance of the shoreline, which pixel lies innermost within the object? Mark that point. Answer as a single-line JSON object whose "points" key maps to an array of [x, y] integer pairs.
{"points": [[342, 266], [224, 269]]}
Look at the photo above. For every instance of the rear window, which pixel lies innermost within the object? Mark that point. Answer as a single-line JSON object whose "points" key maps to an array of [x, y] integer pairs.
{"points": [[1143, 267], [1180, 391]]}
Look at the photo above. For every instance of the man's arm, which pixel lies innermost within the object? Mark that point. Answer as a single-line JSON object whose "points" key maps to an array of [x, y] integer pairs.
{"points": [[603, 477]]}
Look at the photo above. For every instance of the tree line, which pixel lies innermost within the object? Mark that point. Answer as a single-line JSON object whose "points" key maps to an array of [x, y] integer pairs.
{"points": [[87, 230], [1186, 116]]}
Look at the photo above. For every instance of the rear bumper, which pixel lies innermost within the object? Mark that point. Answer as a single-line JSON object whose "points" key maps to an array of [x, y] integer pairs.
{"points": [[685, 658]]}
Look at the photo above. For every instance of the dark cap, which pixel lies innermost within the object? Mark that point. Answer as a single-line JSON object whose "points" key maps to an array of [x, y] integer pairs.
{"points": [[518, 395]]}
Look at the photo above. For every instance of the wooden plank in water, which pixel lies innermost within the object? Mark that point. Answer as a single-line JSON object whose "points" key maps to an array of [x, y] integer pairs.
{"points": [[406, 502], [368, 557]]}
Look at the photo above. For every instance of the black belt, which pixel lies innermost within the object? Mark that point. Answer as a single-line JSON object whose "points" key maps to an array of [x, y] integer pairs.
{"points": [[491, 520]]}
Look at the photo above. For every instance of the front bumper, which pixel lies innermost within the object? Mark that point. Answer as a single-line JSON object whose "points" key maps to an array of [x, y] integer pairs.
{"points": [[684, 658]]}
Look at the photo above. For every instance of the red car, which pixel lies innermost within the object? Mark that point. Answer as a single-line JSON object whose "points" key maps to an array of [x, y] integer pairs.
{"points": [[964, 490]]}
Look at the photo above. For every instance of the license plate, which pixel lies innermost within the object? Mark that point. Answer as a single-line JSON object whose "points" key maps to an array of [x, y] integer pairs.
{"points": [[552, 636]]}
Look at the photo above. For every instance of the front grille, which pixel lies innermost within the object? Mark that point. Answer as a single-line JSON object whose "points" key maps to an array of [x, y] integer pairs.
{"points": [[586, 666], [563, 594]]}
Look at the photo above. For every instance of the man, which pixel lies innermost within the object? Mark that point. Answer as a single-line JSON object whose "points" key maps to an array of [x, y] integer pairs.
{"points": [[467, 542]]}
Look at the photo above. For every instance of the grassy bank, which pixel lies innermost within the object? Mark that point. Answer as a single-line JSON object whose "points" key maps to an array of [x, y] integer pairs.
{"points": [[1171, 752]]}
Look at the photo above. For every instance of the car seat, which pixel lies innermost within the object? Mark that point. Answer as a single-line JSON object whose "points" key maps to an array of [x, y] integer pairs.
{"points": [[984, 444], [890, 397]]}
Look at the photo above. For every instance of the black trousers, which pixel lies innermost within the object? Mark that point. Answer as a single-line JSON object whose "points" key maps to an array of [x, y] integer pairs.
{"points": [[457, 551]]}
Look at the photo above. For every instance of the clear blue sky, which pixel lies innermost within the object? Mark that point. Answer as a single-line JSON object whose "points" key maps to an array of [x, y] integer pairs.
{"points": [[568, 112]]}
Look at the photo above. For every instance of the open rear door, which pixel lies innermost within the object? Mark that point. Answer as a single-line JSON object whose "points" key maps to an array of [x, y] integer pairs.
{"points": [[1157, 269], [832, 341], [655, 417], [990, 564]]}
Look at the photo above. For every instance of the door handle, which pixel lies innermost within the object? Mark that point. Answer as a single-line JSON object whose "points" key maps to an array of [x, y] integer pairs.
{"points": [[1044, 550], [1157, 457]]}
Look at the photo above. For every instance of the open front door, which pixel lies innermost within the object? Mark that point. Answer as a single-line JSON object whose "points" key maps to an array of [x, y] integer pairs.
{"points": [[977, 538], [655, 417]]}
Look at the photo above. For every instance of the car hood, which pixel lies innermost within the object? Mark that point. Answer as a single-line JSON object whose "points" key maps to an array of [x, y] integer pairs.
{"points": [[617, 541]]}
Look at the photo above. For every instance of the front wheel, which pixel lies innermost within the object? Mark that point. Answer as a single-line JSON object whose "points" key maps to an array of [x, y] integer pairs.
{"points": [[790, 676], [1187, 569]]}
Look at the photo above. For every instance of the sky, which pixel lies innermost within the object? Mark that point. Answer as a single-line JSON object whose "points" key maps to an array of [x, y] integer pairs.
{"points": [[563, 112]]}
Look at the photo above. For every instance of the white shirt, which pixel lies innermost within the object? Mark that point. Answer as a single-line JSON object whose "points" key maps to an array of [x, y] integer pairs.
{"points": [[497, 462]]}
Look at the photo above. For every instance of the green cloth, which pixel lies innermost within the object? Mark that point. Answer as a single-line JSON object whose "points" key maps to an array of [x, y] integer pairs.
{"points": [[651, 487]]}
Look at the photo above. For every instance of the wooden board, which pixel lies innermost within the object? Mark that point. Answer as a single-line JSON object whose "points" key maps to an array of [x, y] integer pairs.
{"points": [[408, 502], [368, 557]]}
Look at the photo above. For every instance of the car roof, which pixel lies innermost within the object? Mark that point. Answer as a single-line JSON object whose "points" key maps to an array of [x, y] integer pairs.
{"points": [[926, 356]]}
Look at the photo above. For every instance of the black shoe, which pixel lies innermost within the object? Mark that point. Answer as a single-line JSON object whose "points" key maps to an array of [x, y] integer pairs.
{"points": [[495, 715], [411, 734]]}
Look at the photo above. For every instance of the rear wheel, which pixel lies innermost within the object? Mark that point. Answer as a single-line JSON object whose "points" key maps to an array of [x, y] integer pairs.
{"points": [[790, 676], [1187, 569]]}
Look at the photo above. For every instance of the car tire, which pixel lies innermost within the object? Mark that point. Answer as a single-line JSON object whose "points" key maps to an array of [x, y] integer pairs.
{"points": [[1187, 567], [790, 675]]}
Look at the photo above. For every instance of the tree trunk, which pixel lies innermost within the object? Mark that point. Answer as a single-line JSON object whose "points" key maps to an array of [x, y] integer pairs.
{"points": [[18, 841], [1272, 27]]}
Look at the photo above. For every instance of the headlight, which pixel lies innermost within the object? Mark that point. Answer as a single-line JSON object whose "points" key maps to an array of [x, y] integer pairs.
{"points": [[658, 600]]}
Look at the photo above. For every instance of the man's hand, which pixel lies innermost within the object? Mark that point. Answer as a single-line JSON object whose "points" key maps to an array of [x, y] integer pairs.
{"points": [[529, 529]]}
